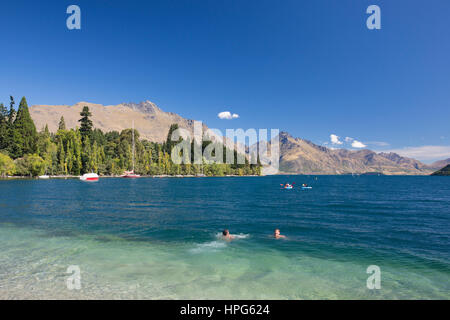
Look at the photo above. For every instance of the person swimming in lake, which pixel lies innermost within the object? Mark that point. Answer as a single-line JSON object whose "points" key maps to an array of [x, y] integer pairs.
{"points": [[226, 235], [277, 234]]}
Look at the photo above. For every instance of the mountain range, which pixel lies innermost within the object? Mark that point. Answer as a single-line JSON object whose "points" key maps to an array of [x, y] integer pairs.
{"points": [[302, 156], [297, 156], [151, 122]]}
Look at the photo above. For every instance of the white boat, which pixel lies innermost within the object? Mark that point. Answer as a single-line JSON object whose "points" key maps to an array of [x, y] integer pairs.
{"points": [[89, 177], [130, 174], [44, 177]]}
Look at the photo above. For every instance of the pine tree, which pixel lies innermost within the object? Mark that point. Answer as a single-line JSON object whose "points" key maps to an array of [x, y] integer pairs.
{"points": [[86, 123], [24, 135], [61, 157], [62, 124], [12, 111], [4, 132], [69, 157], [169, 143], [77, 146], [86, 156], [3, 113], [10, 132]]}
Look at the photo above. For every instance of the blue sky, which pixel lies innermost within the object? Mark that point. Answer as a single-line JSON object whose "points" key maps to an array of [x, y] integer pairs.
{"points": [[311, 68]]}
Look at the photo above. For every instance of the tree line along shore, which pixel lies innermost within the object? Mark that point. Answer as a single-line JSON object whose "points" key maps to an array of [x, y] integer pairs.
{"points": [[25, 152]]}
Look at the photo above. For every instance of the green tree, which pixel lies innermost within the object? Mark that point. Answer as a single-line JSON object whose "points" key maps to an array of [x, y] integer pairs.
{"points": [[12, 111], [10, 130], [48, 150], [7, 128], [168, 146], [86, 123], [62, 124], [61, 159], [24, 131], [30, 165], [4, 127], [7, 166], [86, 156]]}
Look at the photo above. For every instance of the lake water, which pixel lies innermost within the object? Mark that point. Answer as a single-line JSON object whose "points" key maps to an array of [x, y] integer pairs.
{"points": [[156, 238]]}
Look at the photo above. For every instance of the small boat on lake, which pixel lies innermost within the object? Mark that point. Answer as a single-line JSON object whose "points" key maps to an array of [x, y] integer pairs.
{"points": [[44, 177], [89, 177], [131, 174]]}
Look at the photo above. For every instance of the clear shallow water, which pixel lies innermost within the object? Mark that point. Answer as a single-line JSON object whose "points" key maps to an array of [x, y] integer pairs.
{"points": [[157, 238]]}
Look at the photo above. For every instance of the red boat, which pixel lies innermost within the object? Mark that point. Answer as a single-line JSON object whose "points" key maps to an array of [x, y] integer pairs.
{"points": [[89, 177]]}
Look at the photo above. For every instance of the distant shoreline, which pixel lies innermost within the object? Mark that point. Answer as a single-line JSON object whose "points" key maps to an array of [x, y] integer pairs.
{"points": [[224, 176], [108, 176]]}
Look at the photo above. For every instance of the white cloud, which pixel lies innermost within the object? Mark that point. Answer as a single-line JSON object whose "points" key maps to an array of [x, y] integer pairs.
{"points": [[424, 153], [349, 141], [335, 139], [354, 143], [358, 144], [227, 115]]}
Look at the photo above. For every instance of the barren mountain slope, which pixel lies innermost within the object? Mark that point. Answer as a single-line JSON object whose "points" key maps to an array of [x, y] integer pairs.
{"points": [[151, 122]]}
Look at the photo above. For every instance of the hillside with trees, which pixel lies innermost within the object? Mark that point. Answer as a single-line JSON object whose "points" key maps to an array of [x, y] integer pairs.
{"points": [[442, 172], [73, 152]]}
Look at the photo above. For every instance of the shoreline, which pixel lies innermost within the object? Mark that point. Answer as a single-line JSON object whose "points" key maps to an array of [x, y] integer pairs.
{"points": [[142, 176], [224, 176]]}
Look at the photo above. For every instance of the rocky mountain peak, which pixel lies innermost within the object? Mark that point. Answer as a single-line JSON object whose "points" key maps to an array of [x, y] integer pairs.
{"points": [[144, 107], [304, 157]]}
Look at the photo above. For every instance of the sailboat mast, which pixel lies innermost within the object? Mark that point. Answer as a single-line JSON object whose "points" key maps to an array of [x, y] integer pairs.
{"points": [[133, 144]]}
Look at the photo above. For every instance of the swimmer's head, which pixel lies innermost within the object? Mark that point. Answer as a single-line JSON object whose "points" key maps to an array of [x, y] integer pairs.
{"points": [[277, 232], [225, 232]]}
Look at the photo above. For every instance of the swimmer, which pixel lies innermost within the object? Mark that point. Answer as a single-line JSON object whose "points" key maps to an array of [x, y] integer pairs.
{"points": [[226, 235], [277, 234]]}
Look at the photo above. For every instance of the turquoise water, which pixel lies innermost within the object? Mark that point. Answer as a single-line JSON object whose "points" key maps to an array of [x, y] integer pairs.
{"points": [[157, 238]]}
